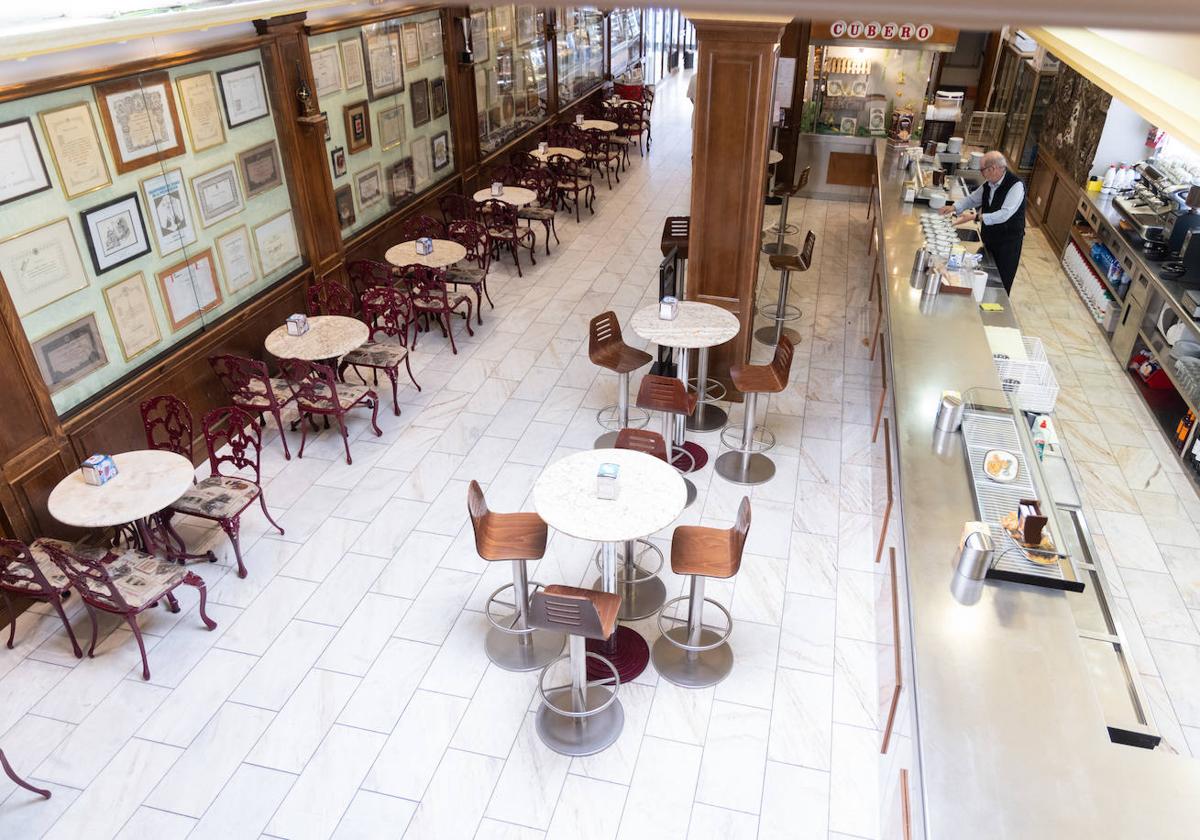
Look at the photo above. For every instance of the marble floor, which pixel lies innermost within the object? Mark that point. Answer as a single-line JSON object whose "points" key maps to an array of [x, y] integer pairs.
{"points": [[346, 693]]}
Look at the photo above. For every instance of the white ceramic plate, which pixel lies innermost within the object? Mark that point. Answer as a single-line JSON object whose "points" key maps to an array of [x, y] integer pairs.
{"points": [[1000, 465]]}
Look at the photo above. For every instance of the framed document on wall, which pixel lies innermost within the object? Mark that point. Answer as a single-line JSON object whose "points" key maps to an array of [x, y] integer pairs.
{"points": [[391, 127], [326, 69], [343, 198], [169, 211], [430, 35], [352, 63], [260, 169], [42, 265], [217, 194], [115, 232], [276, 242], [69, 353], [244, 93], [189, 289], [237, 259], [370, 185], [418, 92], [22, 170], [437, 96], [441, 150], [412, 47], [140, 120], [385, 62], [358, 126], [201, 111], [75, 149], [132, 315]]}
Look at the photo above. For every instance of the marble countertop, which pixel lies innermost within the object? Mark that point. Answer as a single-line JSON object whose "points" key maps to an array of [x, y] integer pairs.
{"points": [[512, 195], [445, 252], [696, 325], [328, 337], [147, 481], [651, 495]]}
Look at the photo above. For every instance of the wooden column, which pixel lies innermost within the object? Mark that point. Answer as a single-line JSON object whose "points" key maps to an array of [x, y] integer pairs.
{"points": [[729, 158]]}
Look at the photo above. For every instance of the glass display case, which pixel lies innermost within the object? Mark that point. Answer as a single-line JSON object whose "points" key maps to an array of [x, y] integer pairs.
{"points": [[580, 52], [135, 211], [1031, 94], [625, 38], [383, 89], [508, 44], [853, 91]]}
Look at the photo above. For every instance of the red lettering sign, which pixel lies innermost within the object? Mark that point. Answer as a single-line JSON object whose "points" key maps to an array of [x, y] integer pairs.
{"points": [[924, 32], [888, 31], [871, 31], [855, 29], [905, 32], [837, 29]]}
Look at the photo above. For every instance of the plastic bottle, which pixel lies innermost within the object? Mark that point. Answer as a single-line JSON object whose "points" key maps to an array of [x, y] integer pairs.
{"points": [[1109, 177]]}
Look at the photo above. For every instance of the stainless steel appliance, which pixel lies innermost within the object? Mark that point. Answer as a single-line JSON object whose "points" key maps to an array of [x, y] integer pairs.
{"points": [[1154, 201]]}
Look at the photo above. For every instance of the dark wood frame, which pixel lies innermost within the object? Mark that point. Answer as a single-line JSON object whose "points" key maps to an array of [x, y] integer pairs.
{"points": [[91, 245], [221, 74], [348, 111], [41, 159], [133, 83]]}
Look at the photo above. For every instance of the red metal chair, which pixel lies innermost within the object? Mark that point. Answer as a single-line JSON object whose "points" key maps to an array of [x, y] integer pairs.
{"points": [[167, 422], [602, 155], [364, 274], [249, 385], [319, 392], [631, 123], [232, 437], [419, 226], [521, 161], [17, 780], [329, 297], [573, 181], [28, 571], [388, 313], [125, 583], [542, 182], [427, 288], [455, 207], [500, 217], [471, 270]]}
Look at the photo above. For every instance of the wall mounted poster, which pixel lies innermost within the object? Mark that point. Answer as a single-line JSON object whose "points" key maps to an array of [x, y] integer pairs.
{"points": [[391, 127], [326, 69], [429, 33], [412, 47], [236, 258], [140, 120], [201, 111], [132, 315], [42, 265], [260, 168], [75, 149], [276, 242], [22, 170], [189, 289], [418, 92], [441, 150], [352, 63], [217, 194], [437, 96], [244, 93], [69, 353], [115, 232], [370, 185], [385, 63], [169, 211]]}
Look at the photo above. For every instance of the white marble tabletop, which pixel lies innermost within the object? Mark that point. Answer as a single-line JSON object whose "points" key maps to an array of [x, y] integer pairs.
{"points": [[147, 481], [598, 125], [328, 337], [445, 252], [696, 325], [518, 196], [573, 154], [773, 157], [650, 496]]}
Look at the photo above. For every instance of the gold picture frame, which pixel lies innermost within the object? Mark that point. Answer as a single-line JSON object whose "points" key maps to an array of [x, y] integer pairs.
{"points": [[44, 346], [233, 283], [74, 278], [49, 132], [201, 113], [178, 319], [133, 308]]}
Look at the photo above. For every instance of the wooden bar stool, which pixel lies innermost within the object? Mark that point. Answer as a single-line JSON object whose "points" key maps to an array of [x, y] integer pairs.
{"points": [[781, 311], [512, 643], [689, 653], [790, 229], [670, 396], [582, 716], [780, 230], [607, 349], [746, 463]]}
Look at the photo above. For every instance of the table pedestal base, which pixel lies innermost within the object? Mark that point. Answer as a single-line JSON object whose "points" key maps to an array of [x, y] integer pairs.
{"points": [[581, 736], [691, 669], [626, 650], [745, 467], [698, 460]]}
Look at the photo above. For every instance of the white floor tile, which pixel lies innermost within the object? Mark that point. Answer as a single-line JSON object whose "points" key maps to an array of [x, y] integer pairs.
{"points": [[245, 805], [531, 781], [373, 815], [735, 752], [271, 682], [297, 730], [587, 809], [457, 795], [660, 797], [795, 803], [410, 757], [801, 719], [201, 693], [496, 713]]}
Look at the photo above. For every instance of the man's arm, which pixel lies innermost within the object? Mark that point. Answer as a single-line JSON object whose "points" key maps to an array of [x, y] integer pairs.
{"points": [[972, 200], [1011, 202]]}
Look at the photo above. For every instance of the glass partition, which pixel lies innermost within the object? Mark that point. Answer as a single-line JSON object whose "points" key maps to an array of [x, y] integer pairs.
{"points": [[580, 52], [508, 44], [137, 210], [383, 90], [625, 34]]}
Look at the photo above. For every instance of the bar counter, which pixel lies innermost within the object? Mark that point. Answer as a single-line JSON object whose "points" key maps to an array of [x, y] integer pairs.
{"points": [[1007, 732]]}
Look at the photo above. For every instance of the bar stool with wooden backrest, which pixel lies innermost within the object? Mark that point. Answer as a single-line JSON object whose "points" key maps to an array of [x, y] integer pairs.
{"points": [[689, 653], [668, 395], [582, 716], [781, 229], [746, 463], [607, 349], [781, 311], [512, 643]]}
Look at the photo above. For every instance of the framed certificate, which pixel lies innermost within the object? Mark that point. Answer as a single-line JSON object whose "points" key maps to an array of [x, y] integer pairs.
{"points": [[169, 211], [201, 112], [441, 151], [132, 315], [437, 97], [526, 25], [326, 69], [260, 169], [22, 170], [75, 149], [391, 127], [479, 37], [217, 194], [140, 120], [68, 354], [422, 166], [369, 183], [352, 63], [412, 47], [343, 198], [429, 33], [418, 93], [358, 126], [237, 259], [189, 289], [42, 265], [244, 93], [400, 185], [384, 60], [275, 240], [502, 24], [115, 232]]}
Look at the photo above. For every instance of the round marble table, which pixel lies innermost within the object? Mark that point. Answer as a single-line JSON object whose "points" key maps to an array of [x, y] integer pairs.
{"points": [[445, 252], [650, 496], [517, 196], [598, 125], [573, 154], [147, 481], [328, 337], [698, 326], [773, 157]]}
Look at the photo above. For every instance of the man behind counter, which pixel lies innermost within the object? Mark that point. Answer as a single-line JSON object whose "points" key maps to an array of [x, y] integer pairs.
{"points": [[1001, 211]]}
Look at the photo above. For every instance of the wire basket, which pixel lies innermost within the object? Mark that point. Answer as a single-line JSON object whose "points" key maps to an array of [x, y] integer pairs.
{"points": [[1032, 378]]}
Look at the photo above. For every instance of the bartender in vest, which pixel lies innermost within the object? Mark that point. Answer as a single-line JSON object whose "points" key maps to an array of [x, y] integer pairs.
{"points": [[999, 204]]}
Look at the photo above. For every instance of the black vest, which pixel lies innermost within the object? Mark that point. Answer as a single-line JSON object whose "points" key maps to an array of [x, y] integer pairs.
{"points": [[1009, 230]]}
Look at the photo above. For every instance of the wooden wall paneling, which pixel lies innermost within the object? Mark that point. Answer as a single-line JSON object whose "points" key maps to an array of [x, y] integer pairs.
{"points": [[793, 44], [460, 87], [1060, 213], [734, 86], [851, 169], [1041, 182], [552, 26]]}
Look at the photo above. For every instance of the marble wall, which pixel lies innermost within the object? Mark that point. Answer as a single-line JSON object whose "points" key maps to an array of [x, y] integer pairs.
{"points": [[1074, 123]]}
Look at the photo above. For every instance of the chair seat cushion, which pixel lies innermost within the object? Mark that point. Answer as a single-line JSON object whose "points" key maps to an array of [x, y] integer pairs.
{"points": [[279, 387], [140, 577], [500, 233], [574, 185], [537, 214], [217, 497], [467, 275], [376, 354], [21, 578]]}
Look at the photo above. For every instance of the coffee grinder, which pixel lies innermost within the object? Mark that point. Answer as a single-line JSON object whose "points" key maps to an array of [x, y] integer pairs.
{"points": [[1185, 236]]}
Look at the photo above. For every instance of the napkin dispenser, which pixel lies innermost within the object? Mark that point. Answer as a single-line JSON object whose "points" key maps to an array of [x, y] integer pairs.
{"points": [[497, 188], [543, 147], [424, 246], [668, 308], [98, 469], [579, 119], [297, 324], [606, 481]]}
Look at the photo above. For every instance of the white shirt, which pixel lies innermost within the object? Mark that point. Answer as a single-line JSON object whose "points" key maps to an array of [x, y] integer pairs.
{"points": [[1011, 202]]}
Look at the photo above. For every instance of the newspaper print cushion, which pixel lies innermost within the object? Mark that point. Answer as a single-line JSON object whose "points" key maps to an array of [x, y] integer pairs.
{"points": [[218, 497]]}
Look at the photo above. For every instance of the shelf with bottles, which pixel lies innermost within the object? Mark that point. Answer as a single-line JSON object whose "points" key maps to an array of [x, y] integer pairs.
{"points": [[1160, 392], [1094, 290]]}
